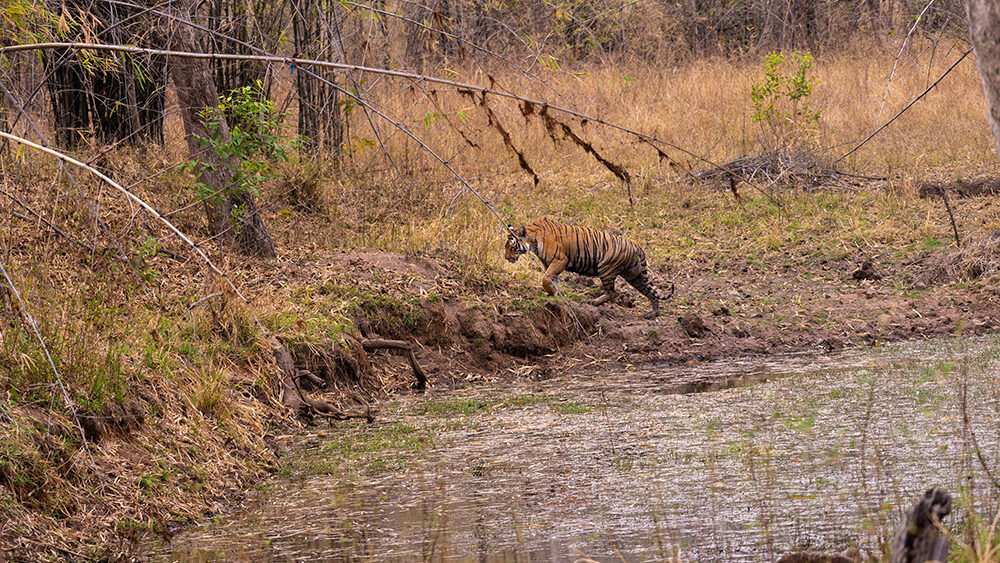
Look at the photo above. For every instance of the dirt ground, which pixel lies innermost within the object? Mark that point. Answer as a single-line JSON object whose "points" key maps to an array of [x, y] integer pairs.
{"points": [[716, 312]]}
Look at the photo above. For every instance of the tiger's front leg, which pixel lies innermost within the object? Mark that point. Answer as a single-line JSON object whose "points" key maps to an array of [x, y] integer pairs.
{"points": [[552, 274]]}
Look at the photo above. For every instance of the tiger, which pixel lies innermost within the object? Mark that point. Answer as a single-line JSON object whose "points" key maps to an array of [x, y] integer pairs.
{"points": [[585, 251]]}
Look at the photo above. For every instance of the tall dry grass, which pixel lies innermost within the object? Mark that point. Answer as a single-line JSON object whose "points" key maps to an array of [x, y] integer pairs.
{"points": [[703, 107]]}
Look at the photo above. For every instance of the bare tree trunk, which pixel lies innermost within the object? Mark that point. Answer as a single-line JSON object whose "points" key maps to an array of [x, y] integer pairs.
{"points": [[305, 24], [984, 27], [321, 122], [232, 213]]}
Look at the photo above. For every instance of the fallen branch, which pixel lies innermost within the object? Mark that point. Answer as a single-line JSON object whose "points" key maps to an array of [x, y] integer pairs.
{"points": [[781, 167], [380, 344]]}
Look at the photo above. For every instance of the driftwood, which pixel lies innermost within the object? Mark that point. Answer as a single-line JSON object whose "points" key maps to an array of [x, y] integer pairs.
{"points": [[920, 538], [380, 344]]}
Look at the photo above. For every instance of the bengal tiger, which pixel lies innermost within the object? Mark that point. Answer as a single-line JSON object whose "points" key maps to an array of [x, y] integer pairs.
{"points": [[587, 252]]}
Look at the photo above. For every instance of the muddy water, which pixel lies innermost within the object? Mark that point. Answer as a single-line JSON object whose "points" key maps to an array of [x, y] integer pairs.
{"points": [[813, 452]]}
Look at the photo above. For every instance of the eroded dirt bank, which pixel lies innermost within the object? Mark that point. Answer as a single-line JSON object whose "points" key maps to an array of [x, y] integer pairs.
{"points": [[467, 331]]}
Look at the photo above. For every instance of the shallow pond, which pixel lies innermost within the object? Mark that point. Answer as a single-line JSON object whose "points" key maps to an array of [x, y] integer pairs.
{"points": [[793, 452]]}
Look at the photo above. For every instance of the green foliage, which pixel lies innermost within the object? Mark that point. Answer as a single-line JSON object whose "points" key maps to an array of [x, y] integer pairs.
{"points": [[571, 407], [25, 21], [253, 145], [780, 101]]}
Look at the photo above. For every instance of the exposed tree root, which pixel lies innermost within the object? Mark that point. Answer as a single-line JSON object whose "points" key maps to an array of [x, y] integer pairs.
{"points": [[295, 399]]}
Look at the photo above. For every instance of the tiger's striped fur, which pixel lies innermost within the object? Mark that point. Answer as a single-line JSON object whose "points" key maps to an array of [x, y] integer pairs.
{"points": [[585, 251]]}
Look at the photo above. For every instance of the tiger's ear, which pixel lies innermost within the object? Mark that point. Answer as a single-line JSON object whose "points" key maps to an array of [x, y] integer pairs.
{"points": [[522, 232]]}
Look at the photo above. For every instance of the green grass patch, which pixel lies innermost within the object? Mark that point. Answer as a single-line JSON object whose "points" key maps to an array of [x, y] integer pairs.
{"points": [[571, 407]]}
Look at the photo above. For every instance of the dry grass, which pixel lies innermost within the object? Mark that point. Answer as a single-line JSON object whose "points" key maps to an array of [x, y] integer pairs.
{"points": [[703, 107]]}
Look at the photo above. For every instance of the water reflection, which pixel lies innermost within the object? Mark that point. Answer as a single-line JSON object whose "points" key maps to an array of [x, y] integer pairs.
{"points": [[820, 452]]}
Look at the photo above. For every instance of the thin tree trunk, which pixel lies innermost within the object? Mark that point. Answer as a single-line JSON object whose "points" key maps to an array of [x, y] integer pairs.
{"points": [[984, 27], [68, 92], [305, 29], [232, 214]]}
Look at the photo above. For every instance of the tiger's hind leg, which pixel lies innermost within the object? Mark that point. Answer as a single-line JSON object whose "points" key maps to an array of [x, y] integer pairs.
{"points": [[638, 277], [608, 285]]}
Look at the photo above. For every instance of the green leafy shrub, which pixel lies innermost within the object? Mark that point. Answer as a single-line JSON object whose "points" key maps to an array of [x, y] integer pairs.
{"points": [[255, 141], [780, 101]]}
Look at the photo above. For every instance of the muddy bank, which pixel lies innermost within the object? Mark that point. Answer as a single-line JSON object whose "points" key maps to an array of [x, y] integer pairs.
{"points": [[491, 331]]}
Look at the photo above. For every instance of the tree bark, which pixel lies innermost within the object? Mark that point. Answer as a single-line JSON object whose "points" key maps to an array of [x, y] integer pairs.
{"points": [[232, 213], [984, 27]]}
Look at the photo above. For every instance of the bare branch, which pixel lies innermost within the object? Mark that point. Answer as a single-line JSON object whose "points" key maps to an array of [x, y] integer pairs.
{"points": [[899, 54], [298, 62], [906, 107], [197, 247]]}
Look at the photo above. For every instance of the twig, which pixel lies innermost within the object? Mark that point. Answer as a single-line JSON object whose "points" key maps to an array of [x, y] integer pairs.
{"points": [[899, 54], [906, 107], [947, 205], [44, 220], [203, 299]]}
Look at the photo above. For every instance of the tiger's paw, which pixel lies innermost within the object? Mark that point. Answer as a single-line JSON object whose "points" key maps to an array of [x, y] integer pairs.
{"points": [[651, 315]]}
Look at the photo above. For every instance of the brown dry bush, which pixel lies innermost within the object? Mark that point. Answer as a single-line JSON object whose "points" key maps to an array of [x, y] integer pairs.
{"points": [[977, 258]]}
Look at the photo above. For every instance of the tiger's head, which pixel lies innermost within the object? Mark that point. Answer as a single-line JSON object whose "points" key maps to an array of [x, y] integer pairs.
{"points": [[514, 247]]}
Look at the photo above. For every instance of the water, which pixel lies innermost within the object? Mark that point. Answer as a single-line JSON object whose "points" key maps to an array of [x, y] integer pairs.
{"points": [[734, 460]]}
